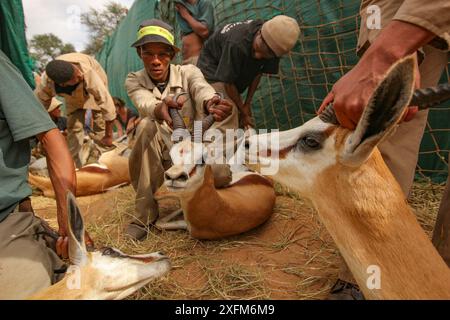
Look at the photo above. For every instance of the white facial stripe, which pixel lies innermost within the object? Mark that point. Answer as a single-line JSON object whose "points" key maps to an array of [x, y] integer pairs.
{"points": [[287, 138]]}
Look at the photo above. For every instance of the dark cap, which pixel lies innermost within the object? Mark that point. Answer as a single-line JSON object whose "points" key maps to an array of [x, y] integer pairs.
{"points": [[155, 30]]}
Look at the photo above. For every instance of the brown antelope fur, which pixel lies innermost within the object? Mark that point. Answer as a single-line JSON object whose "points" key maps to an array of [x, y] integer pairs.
{"points": [[104, 274], [358, 199], [92, 179], [217, 213]]}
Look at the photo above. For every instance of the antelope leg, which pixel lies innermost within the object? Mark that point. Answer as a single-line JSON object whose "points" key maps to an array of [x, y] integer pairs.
{"points": [[170, 216], [174, 225]]}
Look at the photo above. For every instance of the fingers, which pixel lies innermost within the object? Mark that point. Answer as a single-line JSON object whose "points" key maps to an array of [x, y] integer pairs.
{"points": [[221, 111], [328, 99], [410, 113], [62, 247], [166, 116], [88, 241]]}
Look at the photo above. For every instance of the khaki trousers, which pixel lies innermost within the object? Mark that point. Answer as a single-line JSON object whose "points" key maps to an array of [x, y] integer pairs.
{"points": [[401, 152], [27, 265], [75, 131], [148, 161]]}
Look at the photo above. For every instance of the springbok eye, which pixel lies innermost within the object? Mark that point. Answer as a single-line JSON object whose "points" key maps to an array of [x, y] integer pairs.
{"points": [[310, 142], [110, 252]]}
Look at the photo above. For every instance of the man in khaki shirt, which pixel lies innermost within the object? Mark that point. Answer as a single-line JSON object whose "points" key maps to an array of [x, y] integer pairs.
{"points": [[407, 27], [151, 90], [83, 84]]}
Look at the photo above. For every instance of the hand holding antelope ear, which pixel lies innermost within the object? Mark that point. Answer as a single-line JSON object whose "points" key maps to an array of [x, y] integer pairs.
{"points": [[352, 92], [219, 108]]}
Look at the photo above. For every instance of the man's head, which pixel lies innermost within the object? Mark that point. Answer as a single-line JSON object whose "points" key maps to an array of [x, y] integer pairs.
{"points": [[155, 45], [276, 38], [63, 73]]}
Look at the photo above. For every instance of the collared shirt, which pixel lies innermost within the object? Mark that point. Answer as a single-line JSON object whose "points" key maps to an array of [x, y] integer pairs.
{"points": [[188, 78], [202, 11], [91, 93], [431, 15], [21, 117]]}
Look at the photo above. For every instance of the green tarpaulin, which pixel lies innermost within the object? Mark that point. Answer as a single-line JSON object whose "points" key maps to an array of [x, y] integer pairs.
{"points": [[12, 37]]}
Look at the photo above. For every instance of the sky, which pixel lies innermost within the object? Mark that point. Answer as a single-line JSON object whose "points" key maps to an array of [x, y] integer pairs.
{"points": [[62, 18]]}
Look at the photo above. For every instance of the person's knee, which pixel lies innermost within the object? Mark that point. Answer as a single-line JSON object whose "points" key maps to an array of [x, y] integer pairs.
{"points": [[147, 129]]}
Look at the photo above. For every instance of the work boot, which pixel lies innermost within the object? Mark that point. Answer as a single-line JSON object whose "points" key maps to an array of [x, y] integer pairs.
{"points": [[136, 232], [343, 290]]}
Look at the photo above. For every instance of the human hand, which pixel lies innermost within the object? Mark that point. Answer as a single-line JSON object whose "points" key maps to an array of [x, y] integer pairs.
{"points": [[219, 108], [352, 92], [162, 109], [107, 141], [182, 10], [62, 247]]}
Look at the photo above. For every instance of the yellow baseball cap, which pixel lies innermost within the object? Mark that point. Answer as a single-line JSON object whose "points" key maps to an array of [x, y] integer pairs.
{"points": [[155, 30]]}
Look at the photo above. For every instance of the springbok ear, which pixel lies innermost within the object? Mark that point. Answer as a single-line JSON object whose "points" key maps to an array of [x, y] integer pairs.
{"points": [[77, 246], [382, 113]]}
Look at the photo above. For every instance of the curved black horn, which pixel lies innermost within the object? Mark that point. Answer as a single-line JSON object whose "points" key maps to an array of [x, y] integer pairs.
{"points": [[177, 119], [209, 120], [428, 97], [328, 115]]}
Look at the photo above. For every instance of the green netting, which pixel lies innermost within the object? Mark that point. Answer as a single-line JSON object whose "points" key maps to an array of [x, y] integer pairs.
{"points": [[325, 52], [12, 37]]}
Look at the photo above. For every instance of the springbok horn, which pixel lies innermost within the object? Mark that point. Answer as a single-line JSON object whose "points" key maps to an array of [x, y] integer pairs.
{"points": [[177, 119], [424, 98], [328, 115], [206, 122], [428, 97]]}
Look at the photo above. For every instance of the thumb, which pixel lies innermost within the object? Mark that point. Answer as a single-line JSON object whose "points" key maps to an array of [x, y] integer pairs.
{"points": [[410, 113], [328, 99]]}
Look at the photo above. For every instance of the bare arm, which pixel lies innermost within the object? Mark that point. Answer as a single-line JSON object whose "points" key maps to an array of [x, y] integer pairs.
{"points": [[234, 95], [351, 93], [61, 170], [62, 174], [199, 28], [252, 89]]}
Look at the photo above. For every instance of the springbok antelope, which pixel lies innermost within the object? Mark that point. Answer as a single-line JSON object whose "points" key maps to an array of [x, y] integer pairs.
{"points": [[214, 209], [111, 171], [356, 196], [106, 274]]}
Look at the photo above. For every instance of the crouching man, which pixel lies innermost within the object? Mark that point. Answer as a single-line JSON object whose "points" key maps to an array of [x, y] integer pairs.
{"points": [[83, 84], [151, 90]]}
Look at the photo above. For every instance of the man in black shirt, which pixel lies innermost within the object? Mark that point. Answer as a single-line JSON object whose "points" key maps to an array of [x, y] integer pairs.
{"points": [[235, 56]]}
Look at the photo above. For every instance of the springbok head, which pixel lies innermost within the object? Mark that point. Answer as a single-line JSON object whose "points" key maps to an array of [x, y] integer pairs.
{"points": [[187, 154], [108, 273], [320, 144]]}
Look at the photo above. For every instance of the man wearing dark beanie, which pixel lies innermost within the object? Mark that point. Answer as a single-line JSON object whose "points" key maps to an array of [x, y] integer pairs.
{"points": [[83, 84], [235, 56]]}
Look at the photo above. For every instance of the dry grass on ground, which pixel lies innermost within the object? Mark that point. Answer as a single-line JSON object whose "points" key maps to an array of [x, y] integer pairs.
{"points": [[290, 257]]}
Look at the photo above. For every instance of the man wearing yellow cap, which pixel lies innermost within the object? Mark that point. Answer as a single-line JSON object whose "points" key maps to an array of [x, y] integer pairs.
{"points": [[235, 56], [152, 90]]}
